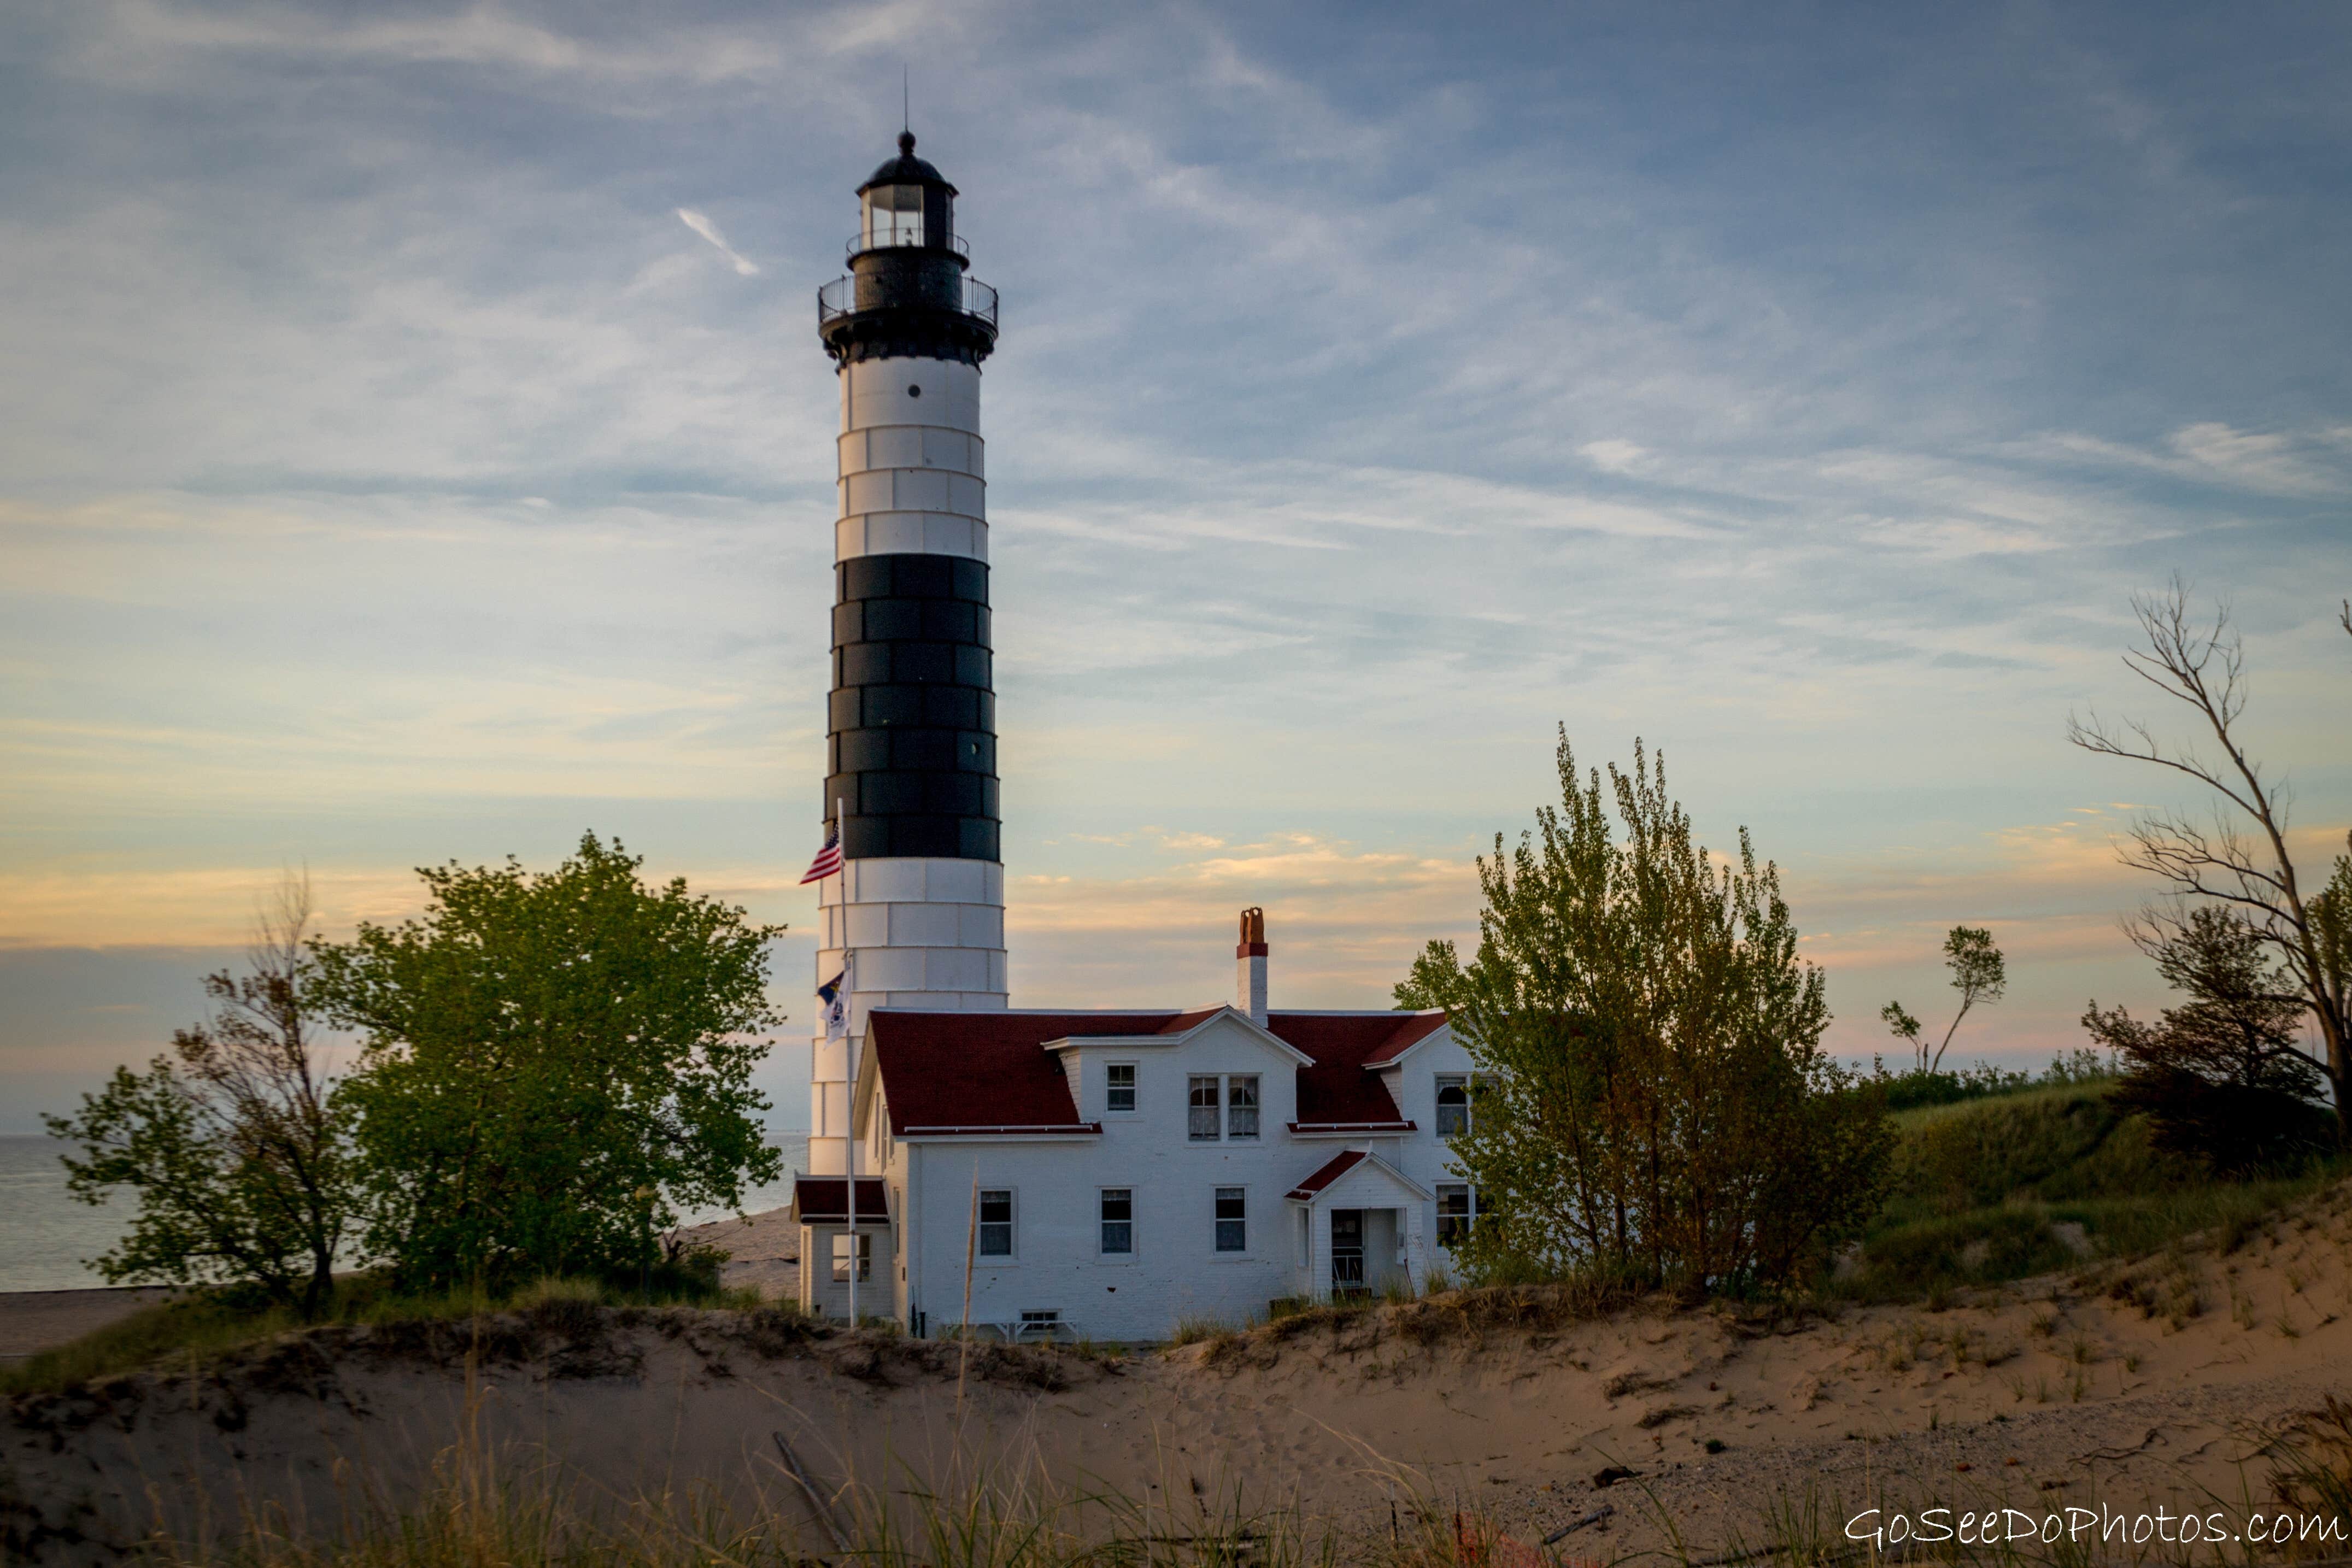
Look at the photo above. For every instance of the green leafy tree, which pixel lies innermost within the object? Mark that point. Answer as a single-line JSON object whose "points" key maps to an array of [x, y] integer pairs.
{"points": [[1656, 1103], [2223, 1077], [553, 1062], [1979, 972], [234, 1143]]}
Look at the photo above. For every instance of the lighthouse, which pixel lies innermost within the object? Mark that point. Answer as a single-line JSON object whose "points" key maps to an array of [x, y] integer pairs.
{"points": [[915, 916]]}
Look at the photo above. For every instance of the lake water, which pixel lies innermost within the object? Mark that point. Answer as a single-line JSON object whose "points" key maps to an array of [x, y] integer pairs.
{"points": [[45, 1234]]}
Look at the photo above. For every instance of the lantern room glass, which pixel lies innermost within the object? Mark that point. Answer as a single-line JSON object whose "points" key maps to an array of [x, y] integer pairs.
{"points": [[894, 215]]}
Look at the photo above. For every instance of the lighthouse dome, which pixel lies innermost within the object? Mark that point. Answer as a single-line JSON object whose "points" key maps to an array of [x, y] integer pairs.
{"points": [[906, 169]]}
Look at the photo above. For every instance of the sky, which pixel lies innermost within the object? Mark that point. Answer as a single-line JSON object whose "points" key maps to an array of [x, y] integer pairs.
{"points": [[414, 448]]}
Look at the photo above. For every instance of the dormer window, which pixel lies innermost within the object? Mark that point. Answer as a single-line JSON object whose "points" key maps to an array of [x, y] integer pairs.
{"points": [[1453, 1105], [1241, 1108], [1201, 1126], [894, 215]]}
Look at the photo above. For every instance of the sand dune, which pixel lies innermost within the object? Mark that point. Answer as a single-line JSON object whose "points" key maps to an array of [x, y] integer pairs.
{"points": [[2136, 1386]]}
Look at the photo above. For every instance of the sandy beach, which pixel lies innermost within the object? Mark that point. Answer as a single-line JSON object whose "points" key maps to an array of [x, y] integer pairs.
{"points": [[2135, 1387], [35, 1320]]}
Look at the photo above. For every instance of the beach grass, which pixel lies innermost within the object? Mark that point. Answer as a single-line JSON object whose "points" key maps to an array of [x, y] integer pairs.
{"points": [[203, 1324]]}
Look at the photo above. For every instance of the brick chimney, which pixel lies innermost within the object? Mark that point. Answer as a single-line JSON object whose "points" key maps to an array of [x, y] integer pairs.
{"points": [[1249, 980]]}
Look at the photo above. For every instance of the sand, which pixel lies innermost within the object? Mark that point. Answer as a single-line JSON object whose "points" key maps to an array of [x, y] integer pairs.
{"points": [[2136, 1388], [763, 1251], [33, 1321]]}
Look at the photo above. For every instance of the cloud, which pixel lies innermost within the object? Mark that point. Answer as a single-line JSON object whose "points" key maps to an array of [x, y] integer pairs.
{"points": [[709, 231]]}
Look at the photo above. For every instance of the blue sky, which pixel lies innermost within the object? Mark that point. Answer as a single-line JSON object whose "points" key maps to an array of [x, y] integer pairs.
{"points": [[415, 447]]}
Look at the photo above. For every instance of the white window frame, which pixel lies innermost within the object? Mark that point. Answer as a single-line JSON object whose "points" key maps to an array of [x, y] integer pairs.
{"points": [[1438, 1107], [1012, 1223], [1216, 1196], [1469, 1216], [1256, 1107], [1215, 1108], [1102, 1195], [839, 1254], [1222, 1112], [1133, 1086]]}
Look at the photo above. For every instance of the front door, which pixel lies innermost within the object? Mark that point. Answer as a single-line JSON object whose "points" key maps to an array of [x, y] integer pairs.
{"points": [[1347, 1251]]}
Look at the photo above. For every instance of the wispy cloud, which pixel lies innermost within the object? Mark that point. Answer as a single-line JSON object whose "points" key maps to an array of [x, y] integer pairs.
{"points": [[699, 223]]}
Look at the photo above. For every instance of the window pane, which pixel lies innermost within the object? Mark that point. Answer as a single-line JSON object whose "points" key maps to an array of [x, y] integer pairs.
{"points": [[1453, 1214], [1453, 1107], [841, 1258], [1118, 1220], [996, 1222], [1122, 1086], [1241, 1108], [1233, 1230], [1203, 1123]]}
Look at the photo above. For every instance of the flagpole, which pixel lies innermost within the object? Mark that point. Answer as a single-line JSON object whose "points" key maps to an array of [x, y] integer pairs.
{"points": [[849, 1056]]}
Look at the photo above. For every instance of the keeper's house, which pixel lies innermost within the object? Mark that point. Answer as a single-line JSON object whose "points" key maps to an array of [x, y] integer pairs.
{"points": [[1109, 1174]]}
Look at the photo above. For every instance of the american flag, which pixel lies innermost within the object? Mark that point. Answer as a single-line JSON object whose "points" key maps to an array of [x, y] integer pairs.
{"points": [[828, 858]]}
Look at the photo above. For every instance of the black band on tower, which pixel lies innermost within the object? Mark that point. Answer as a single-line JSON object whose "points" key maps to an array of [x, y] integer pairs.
{"points": [[912, 719]]}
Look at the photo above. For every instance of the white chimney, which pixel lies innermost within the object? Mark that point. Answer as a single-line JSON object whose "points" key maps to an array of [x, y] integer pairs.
{"points": [[1249, 980]]}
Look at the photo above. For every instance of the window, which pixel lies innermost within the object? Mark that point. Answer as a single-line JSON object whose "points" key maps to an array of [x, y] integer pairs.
{"points": [[841, 1256], [894, 214], [1040, 1320], [996, 1222], [1458, 1211], [1118, 1221], [1204, 1124], [1122, 1085], [1241, 1107], [1233, 1219], [1453, 1105]]}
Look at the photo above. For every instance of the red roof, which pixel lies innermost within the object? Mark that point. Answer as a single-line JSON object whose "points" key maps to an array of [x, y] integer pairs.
{"points": [[820, 1199], [1331, 1170], [1337, 1089], [989, 1071]]}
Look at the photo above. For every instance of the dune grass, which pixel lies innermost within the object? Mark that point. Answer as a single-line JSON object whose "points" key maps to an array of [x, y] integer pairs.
{"points": [[203, 1324], [2037, 1181]]}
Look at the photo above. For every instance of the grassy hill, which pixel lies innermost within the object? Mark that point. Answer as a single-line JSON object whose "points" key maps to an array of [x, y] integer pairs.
{"points": [[2040, 1179]]}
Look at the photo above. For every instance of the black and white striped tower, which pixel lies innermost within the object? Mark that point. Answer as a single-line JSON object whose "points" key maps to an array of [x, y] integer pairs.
{"points": [[916, 916]]}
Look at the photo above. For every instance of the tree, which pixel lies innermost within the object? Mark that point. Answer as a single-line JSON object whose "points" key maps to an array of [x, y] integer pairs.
{"points": [[539, 1050], [1656, 1106], [1979, 972], [2236, 856], [2223, 1078], [234, 1143]]}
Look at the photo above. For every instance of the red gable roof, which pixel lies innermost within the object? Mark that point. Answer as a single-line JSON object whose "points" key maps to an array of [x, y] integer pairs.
{"points": [[817, 1199], [1331, 1170], [1337, 1089], [989, 1071]]}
